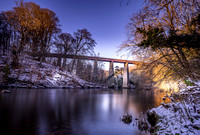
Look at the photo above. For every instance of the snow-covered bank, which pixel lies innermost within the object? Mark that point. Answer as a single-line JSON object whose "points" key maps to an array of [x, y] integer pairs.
{"points": [[33, 75], [181, 116]]}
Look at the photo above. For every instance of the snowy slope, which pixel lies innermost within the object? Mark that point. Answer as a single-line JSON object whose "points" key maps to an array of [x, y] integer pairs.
{"points": [[31, 74], [182, 116]]}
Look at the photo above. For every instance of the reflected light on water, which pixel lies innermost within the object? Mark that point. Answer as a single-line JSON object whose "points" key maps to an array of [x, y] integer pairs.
{"points": [[43, 126], [53, 96], [61, 111], [118, 102], [105, 103]]}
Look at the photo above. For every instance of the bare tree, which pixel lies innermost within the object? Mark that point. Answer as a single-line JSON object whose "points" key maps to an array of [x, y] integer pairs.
{"points": [[35, 26], [65, 42], [5, 34], [84, 43], [158, 32]]}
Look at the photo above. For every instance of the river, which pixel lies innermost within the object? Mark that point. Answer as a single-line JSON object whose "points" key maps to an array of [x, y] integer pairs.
{"points": [[73, 111]]}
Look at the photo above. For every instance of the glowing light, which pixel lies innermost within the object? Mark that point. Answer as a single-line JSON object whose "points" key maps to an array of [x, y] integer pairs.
{"points": [[169, 85]]}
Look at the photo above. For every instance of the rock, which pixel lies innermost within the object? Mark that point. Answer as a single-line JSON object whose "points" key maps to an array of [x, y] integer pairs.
{"points": [[195, 126], [143, 125], [152, 118], [165, 105], [127, 118], [198, 111], [5, 91]]}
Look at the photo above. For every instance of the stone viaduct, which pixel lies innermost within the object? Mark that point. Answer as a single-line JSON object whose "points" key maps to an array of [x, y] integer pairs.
{"points": [[95, 59]]}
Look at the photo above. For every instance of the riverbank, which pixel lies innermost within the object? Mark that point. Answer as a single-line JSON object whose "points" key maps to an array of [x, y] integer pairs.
{"points": [[181, 116], [32, 74]]}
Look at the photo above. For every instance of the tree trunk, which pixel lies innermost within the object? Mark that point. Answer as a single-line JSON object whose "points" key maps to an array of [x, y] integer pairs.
{"points": [[64, 63], [186, 63], [15, 61], [187, 67], [179, 59], [73, 62]]}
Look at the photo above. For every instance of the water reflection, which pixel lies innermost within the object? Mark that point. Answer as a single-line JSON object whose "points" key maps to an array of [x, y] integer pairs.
{"points": [[63, 111]]}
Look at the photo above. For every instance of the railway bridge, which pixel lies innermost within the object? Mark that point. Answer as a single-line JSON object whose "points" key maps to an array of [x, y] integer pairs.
{"points": [[96, 59]]}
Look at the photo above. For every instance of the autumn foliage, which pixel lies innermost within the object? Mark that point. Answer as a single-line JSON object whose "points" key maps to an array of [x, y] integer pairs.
{"points": [[166, 35]]}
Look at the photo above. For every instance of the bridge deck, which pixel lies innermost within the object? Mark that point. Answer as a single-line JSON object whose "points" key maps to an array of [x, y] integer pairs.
{"points": [[56, 55], [91, 58]]}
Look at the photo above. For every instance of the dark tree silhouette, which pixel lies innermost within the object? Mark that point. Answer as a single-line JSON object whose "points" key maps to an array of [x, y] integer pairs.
{"points": [[84, 43], [5, 34], [165, 34], [65, 42], [35, 26]]}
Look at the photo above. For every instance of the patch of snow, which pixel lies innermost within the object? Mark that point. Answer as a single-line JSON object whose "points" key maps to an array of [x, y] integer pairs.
{"points": [[182, 116], [31, 74]]}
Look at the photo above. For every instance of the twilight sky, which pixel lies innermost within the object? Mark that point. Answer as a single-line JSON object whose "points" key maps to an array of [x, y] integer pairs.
{"points": [[105, 19]]}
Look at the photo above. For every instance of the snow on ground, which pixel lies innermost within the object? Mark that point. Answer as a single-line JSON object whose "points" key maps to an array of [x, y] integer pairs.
{"points": [[182, 115], [31, 74]]}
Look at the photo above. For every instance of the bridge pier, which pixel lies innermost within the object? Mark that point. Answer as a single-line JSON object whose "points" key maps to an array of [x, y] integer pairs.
{"points": [[111, 72], [126, 76], [95, 71], [111, 69]]}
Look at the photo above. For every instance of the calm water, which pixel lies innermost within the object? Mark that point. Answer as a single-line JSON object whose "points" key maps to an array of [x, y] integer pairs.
{"points": [[70, 111]]}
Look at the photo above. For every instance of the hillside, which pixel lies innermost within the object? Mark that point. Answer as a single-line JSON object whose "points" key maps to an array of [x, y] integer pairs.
{"points": [[33, 75]]}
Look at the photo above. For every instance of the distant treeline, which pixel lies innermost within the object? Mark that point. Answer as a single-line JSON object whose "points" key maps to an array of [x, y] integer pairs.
{"points": [[30, 28]]}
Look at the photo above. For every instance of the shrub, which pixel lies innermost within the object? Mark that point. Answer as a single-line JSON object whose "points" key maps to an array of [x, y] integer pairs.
{"points": [[6, 71], [188, 83]]}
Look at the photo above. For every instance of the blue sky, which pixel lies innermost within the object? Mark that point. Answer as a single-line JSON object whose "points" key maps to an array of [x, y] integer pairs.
{"points": [[105, 19]]}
